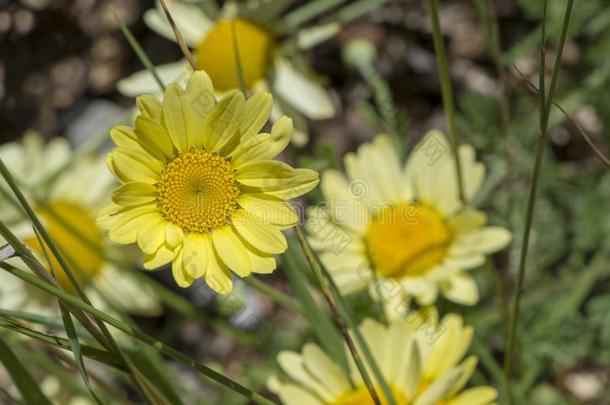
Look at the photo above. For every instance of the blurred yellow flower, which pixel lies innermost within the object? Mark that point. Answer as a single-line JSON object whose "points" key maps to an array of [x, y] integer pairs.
{"points": [[266, 57], [420, 360], [200, 187], [68, 206], [216, 55], [401, 230]]}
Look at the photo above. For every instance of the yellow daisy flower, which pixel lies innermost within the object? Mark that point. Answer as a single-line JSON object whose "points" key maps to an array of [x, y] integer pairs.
{"points": [[67, 206], [199, 187], [421, 362], [401, 230], [265, 57]]}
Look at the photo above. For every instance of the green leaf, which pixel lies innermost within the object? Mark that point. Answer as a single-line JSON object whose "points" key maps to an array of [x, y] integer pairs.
{"points": [[26, 384], [154, 370], [76, 349], [295, 268]]}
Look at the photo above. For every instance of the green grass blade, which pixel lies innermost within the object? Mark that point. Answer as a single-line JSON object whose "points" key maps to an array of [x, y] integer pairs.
{"points": [[135, 333], [327, 283], [355, 10], [76, 350], [447, 92], [23, 380], [309, 11], [295, 268], [153, 369], [139, 51], [240, 73], [545, 103]]}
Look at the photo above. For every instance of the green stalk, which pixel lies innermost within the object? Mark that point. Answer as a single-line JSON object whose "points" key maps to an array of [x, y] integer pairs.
{"points": [[447, 93], [240, 73], [490, 21], [275, 295], [343, 316], [135, 333], [545, 103], [133, 42]]}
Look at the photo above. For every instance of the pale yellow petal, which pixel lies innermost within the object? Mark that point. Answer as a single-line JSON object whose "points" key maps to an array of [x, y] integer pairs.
{"points": [[264, 146], [292, 365], [475, 396], [262, 236], [218, 276], [461, 288], [196, 254], [231, 250], [221, 128], [161, 257], [256, 114], [277, 178], [179, 273], [173, 235], [134, 194], [269, 209]]}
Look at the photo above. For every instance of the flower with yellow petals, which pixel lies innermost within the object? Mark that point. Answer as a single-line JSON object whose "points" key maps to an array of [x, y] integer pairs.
{"points": [[199, 186], [265, 57], [401, 230], [422, 362], [67, 201]]}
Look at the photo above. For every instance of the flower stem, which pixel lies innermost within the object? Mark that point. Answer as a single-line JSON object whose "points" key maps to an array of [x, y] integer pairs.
{"points": [[545, 103], [276, 295], [447, 93], [135, 333], [345, 320]]}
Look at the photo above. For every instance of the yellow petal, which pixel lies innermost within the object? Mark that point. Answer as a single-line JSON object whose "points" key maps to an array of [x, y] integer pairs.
{"points": [[149, 106], [196, 254], [264, 237], [256, 114], [218, 277], [264, 146], [126, 223], [152, 235], [277, 178], [198, 101], [269, 209], [173, 118], [134, 194], [173, 235], [180, 275], [231, 250], [132, 167], [221, 129], [162, 256], [154, 138]]}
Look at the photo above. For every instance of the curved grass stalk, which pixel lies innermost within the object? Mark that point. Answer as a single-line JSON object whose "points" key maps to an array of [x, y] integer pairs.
{"points": [[545, 103], [447, 93], [136, 334]]}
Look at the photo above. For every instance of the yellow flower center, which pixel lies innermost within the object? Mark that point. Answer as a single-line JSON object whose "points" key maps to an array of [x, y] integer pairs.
{"points": [[216, 53], [407, 239], [74, 231], [361, 396], [198, 191]]}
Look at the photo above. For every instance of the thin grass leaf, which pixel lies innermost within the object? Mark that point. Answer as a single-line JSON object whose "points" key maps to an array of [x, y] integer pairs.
{"points": [[295, 268], [355, 10], [76, 350], [309, 11], [179, 38], [343, 315], [274, 294], [447, 93], [155, 372], [135, 333], [23, 380], [545, 103], [91, 352], [240, 73], [133, 42]]}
